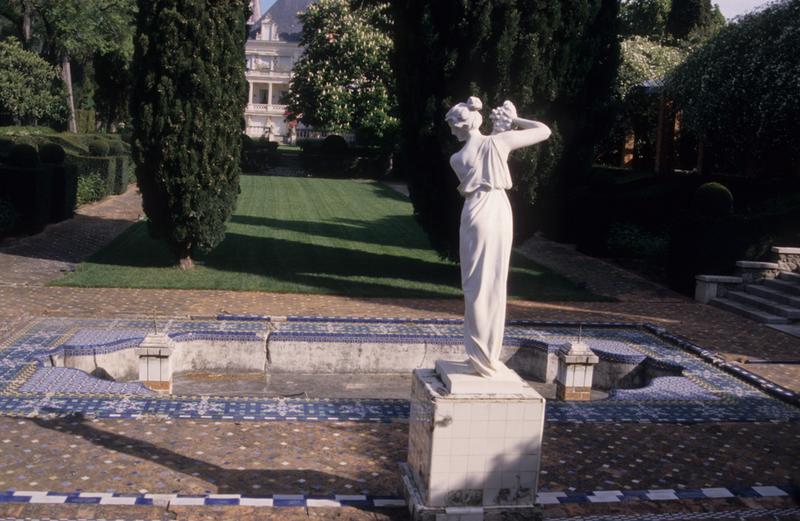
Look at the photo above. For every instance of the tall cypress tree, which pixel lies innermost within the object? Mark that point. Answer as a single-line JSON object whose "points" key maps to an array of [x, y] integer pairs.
{"points": [[555, 60], [187, 105]]}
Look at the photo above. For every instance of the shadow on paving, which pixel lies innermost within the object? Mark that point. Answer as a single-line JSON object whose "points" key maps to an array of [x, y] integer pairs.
{"points": [[224, 480], [68, 241]]}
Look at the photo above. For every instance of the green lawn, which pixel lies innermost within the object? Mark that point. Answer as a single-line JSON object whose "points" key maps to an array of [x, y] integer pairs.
{"points": [[299, 235]]}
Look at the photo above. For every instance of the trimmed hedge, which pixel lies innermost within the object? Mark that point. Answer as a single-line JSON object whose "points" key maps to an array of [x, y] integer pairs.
{"points": [[122, 170], [65, 192], [30, 191], [105, 167]]}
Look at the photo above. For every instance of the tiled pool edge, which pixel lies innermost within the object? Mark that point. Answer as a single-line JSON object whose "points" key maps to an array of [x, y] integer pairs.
{"points": [[368, 501]]}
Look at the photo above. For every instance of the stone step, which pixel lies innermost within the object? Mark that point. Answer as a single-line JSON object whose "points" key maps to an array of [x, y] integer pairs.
{"points": [[789, 276], [748, 311], [783, 285], [773, 294], [770, 306]]}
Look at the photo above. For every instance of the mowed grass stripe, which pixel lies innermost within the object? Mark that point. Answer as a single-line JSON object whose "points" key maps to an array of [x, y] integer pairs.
{"points": [[301, 235]]}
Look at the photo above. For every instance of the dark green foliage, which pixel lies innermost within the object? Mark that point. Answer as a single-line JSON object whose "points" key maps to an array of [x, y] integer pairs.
{"points": [[334, 144], [644, 18], [104, 167], [85, 120], [712, 200], [90, 187], [65, 187], [555, 60], [632, 240], [23, 155], [30, 191], [740, 93], [30, 89], [187, 104], [116, 147], [121, 170], [8, 217], [113, 78], [51, 153], [689, 16], [98, 147], [5, 148]]}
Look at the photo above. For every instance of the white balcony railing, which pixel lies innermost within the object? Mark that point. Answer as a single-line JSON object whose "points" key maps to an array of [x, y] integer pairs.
{"points": [[266, 107], [266, 73]]}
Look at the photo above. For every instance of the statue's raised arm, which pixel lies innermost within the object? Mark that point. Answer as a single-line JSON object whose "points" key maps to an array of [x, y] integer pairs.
{"points": [[486, 231], [504, 119]]}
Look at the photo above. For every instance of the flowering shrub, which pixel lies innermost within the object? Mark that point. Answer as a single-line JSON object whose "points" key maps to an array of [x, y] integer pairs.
{"points": [[645, 60], [344, 78], [740, 92]]}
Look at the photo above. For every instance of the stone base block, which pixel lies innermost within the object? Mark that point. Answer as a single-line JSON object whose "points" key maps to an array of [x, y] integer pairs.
{"points": [[160, 386], [421, 512], [461, 378], [574, 394], [473, 454]]}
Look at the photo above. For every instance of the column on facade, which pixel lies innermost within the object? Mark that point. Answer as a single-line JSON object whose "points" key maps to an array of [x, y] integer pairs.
{"points": [[250, 94], [269, 95]]}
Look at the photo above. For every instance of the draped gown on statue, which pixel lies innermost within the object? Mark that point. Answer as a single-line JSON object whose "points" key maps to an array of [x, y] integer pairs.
{"points": [[485, 249]]}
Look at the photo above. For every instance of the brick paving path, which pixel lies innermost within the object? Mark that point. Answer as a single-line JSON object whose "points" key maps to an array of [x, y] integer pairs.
{"points": [[57, 455]]}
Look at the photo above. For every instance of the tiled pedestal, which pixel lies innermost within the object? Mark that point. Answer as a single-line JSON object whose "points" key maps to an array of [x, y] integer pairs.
{"points": [[472, 456], [155, 362], [575, 372]]}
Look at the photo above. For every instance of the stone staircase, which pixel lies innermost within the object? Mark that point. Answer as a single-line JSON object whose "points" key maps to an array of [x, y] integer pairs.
{"points": [[767, 292]]}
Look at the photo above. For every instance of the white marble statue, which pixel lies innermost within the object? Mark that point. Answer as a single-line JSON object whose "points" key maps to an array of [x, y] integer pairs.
{"points": [[486, 223]]}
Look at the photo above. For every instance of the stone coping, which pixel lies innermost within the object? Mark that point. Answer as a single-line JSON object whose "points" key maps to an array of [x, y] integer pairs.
{"points": [[720, 279], [758, 265], [786, 250]]}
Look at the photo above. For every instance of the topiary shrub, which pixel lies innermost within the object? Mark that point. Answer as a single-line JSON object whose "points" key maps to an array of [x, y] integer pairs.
{"points": [[98, 147], [51, 153], [23, 156], [712, 200], [334, 144]]}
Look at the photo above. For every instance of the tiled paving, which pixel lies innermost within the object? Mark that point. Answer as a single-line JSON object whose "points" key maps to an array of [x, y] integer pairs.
{"points": [[152, 453]]}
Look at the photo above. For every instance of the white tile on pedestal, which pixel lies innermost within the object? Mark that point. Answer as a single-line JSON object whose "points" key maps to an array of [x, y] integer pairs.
{"points": [[462, 411], [458, 465], [496, 430], [479, 429], [498, 412], [480, 412], [515, 412], [533, 411], [461, 429], [459, 446], [476, 463]]}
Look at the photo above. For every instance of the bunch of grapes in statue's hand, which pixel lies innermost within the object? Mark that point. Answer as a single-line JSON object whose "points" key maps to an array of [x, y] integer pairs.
{"points": [[503, 117]]}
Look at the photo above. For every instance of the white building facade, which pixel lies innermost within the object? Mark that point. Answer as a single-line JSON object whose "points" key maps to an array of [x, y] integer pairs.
{"points": [[270, 56]]}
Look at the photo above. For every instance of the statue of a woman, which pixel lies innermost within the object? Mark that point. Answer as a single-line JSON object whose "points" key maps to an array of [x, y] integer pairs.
{"points": [[486, 223]]}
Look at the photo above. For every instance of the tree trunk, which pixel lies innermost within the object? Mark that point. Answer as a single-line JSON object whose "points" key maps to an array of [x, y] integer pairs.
{"points": [[66, 76], [185, 261], [26, 24]]}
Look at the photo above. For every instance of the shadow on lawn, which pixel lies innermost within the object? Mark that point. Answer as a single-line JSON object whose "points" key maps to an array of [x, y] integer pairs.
{"points": [[221, 480], [394, 230], [343, 270]]}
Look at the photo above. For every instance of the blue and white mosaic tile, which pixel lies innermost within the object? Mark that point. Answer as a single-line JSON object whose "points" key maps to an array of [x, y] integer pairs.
{"points": [[708, 389], [369, 501]]}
